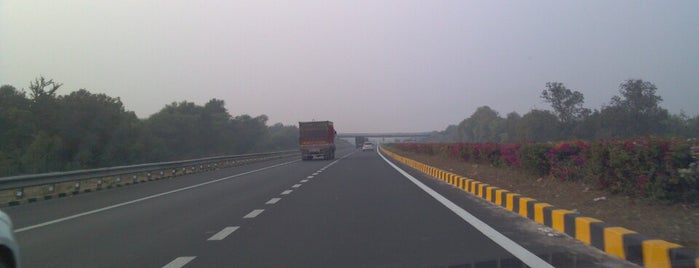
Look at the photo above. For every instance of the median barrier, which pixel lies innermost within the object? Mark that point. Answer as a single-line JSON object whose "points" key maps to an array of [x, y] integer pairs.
{"points": [[23, 189], [614, 240]]}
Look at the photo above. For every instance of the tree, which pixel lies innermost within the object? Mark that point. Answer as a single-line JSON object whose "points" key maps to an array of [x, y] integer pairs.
{"points": [[37, 88], [281, 137], [214, 127], [87, 123], [567, 104], [176, 128], [538, 126], [16, 128], [249, 132], [509, 127], [636, 112], [484, 125]]}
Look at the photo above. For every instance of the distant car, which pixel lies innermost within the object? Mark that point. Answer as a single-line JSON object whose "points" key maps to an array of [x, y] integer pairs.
{"points": [[368, 146], [9, 250]]}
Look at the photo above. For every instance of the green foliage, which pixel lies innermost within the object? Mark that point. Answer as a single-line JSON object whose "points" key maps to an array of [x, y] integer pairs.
{"points": [[484, 125], [80, 130], [532, 158], [660, 169], [567, 104], [537, 126], [634, 112]]}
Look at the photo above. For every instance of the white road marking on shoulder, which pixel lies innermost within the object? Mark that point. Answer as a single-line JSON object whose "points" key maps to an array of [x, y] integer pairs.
{"points": [[296, 186], [223, 233], [273, 201], [19, 230], [179, 262], [253, 214], [287, 192], [515, 249]]}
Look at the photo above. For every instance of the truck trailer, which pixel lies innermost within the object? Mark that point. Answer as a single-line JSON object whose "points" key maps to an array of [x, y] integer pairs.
{"points": [[359, 141], [317, 140]]}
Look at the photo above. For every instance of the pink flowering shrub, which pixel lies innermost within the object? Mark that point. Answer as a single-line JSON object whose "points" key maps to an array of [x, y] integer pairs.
{"points": [[656, 168]]}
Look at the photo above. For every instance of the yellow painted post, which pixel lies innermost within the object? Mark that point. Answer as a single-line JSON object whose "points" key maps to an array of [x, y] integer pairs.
{"points": [[539, 212], [656, 253], [510, 201], [498, 197], [614, 241], [558, 219], [523, 205], [489, 193], [582, 229]]}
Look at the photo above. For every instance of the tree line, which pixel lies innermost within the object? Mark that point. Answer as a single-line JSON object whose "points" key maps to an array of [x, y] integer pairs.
{"points": [[636, 111], [41, 131]]}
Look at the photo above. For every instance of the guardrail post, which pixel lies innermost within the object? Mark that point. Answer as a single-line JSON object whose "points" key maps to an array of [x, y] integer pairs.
{"points": [[51, 189], [61, 184], [76, 188]]}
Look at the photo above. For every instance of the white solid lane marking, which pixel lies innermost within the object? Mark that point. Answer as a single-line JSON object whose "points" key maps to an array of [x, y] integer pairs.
{"points": [[179, 262], [296, 186], [273, 201], [19, 230], [515, 249], [224, 233], [309, 177], [253, 214], [287, 192], [302, 181]]}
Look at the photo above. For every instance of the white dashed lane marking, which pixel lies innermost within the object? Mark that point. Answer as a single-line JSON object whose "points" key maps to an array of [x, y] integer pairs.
{"points": [[253, 214], [179, 262], [287, 192], [309, 177], [296, 186], [273, 201], [223, 233], [302, 181], [315, 174]]}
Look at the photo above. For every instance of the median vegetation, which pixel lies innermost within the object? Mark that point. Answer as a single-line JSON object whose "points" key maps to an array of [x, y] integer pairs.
{"points": [[655, 168], [631, 145]]}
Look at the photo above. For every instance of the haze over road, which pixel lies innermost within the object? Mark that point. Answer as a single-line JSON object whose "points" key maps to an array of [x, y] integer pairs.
{"points": [[356, 211]]}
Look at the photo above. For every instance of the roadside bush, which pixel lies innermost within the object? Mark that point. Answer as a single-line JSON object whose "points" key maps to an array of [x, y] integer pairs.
{"points": [[566, 161], [532, 158], [656, 168]]}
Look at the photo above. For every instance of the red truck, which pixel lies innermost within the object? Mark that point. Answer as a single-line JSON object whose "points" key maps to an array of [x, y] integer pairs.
{"points": [[317, 139]]}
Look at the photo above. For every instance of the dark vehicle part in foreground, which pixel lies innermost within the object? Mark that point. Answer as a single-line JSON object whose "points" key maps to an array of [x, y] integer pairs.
{"points": [[317, 139], [9, 250]]}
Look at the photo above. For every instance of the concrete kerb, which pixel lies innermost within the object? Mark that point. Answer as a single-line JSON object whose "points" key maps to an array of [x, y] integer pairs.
{"points": [[614, 240]]}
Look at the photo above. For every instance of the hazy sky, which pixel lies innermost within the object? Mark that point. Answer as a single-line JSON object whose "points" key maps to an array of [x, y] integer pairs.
{"points": [[367, 65]]}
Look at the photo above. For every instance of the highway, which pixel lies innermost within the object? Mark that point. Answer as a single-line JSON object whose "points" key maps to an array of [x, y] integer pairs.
{"points": [[355, 211]]}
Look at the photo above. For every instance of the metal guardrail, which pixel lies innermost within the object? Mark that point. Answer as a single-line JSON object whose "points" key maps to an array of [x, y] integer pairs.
{"points": [[23, 181]]}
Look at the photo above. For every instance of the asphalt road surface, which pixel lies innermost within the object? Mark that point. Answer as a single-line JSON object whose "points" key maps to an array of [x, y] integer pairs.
{"points": [[355, 211]]}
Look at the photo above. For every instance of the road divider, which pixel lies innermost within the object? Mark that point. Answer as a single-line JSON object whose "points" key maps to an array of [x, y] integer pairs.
{"points": [[23, 189], [614, 240]]}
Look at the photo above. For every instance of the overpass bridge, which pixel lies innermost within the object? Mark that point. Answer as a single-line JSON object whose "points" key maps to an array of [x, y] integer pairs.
{"points": [[386, 136]]}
